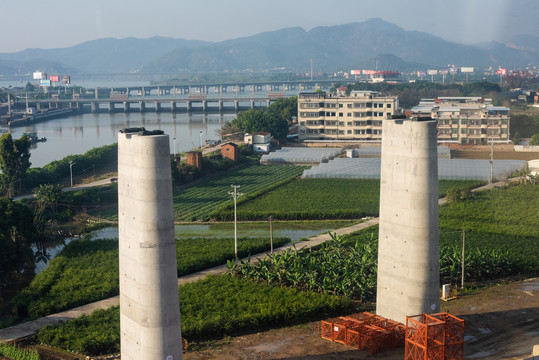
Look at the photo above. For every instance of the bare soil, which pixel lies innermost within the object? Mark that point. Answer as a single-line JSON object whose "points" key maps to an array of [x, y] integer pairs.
{"points": [[501, 152], [502, 322]]}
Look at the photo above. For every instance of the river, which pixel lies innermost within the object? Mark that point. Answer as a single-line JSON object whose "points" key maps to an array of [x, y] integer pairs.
{"points": [[79, 133]]}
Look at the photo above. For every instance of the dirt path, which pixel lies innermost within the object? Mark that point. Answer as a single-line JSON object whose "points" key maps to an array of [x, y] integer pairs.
{"points": [[502, 322]]}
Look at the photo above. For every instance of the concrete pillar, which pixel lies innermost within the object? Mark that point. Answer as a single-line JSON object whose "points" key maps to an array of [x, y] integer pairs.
{"points": [[236, 105], [220, 102], [408, 250], [111, 106], [173, 106], [93, 106], [268, 102], [126, 106], [252, 104], [204, 105], [157, 106], [38, 106], [188, 105], [143, 92], [142, 105], [96, 94], [149, 301]]}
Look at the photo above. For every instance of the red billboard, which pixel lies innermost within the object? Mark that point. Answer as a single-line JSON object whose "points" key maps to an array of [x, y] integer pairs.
{"points": [[501, 71], [54, 78]]}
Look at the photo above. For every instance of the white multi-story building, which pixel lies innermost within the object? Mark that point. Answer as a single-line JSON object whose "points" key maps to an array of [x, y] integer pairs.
{"points": [[323, 116], [466, 120]]}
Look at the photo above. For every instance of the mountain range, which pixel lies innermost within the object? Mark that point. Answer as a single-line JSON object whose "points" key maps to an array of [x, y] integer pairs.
{"points": [[359, 45]]}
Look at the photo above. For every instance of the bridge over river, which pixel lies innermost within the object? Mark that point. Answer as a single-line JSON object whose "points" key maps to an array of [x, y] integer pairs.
{"points": [[173, 98]]}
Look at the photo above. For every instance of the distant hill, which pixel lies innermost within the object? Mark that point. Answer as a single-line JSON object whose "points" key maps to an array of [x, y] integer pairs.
{"points": [[357, 45], [104, 55]]}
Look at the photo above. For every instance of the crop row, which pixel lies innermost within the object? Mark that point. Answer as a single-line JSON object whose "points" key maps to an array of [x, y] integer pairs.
{"points": [[210, 307], [198, 201], [310, 199], [87, 271], [11, 351]]}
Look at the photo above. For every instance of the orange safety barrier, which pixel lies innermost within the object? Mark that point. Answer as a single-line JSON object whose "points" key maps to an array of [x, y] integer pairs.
{"points": [[434, 337], [364, 331]]}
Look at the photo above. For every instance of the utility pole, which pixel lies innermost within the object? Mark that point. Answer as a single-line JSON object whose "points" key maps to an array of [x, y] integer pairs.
{"points": [[235, 195], [491, 160], [200, 139], [463, 245], [271, 235], [71, 163]]}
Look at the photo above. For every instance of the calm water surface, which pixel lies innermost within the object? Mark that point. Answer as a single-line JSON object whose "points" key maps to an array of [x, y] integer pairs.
{"points": [[80, 133]]}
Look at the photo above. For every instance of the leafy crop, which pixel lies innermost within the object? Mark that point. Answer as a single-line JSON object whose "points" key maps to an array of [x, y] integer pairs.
{"points": [[344, 266], [211, 307], [87, 271], [201, 253], [95, 334], [13, 352]]}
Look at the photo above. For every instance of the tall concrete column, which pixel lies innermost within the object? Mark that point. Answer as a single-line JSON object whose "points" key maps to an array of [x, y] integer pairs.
{"points": [[111, 106], [236, 105], [220, 102], [408, 250], [157, 106], [252, 104], [142, 106], [126, 106], [188, 105], [204, 105], [149, 301], [93, 106], [173, 106]]}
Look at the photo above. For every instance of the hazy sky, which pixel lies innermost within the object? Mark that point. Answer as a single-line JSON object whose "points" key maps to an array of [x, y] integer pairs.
{"points": [[61, 23]]}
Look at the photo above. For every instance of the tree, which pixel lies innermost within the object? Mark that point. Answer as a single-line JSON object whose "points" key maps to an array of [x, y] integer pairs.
{"points": [[16, 231], [14, 161], [273, 119], [534, 139], [516, 137], [45, 198], [29, 87]]}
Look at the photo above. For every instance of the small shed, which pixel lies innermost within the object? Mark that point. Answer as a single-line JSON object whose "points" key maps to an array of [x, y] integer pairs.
{"points": [[257, 138], [194, 158], [230, 150]]}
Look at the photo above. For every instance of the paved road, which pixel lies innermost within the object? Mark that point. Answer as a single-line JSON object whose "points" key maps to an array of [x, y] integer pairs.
{"points": [[73, 188]]}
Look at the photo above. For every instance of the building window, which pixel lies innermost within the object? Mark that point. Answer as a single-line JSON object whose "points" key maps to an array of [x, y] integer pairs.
{"points": [[341, 114], [349, 131]]}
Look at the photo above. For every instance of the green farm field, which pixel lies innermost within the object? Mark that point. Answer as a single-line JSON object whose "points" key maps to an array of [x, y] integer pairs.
{"points": [[310, 199], [198, 201]]}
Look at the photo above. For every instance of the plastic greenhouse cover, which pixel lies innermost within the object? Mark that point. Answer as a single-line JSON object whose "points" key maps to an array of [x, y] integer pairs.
{"points": [[450, 169]]}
